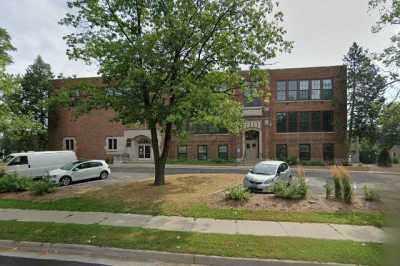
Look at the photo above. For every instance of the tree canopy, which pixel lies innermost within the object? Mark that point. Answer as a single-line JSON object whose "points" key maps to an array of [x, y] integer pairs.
{"points": [[168, 63]]}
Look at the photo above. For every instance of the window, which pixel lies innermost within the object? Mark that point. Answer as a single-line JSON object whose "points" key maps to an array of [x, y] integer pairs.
{"points": [[281, 90], [282, 168], [202, 152], [329, 152], [84, 166], [304, 152], [327, 89], [327, 119], [292, 122], [182, 152], [250, 94], [69, 144], [20, 160], [316, 121], [281, 152], [292, 93], [95, 164], [207, 129], [304, 121], [223, 152], [281, 122], [128, 143], [303, 90], [315, 89], [112, 144]]}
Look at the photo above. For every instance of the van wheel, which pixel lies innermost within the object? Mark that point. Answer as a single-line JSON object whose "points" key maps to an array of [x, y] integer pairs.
{"points": [[104, 175], [65, 181]]}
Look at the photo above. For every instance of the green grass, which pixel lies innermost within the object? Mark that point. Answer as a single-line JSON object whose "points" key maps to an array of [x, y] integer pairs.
{"points": [[203, 162], [197, 210], [196, 243]]}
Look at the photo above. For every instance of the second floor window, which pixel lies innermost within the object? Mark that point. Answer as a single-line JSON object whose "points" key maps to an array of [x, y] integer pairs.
{"points": [[301, 90]]}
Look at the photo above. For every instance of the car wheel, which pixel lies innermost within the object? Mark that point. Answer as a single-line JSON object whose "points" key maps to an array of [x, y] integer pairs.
{"points": [[104, 175], [65, 181]]}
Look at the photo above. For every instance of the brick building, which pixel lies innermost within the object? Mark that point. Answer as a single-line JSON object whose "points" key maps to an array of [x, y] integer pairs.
{"points": [[305, 118]]}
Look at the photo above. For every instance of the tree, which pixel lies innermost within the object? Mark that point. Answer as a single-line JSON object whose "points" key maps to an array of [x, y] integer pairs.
{"points": [[365, 89], [13, 126], [390, 125], [32, 98], [169, 63], [390, 57]]}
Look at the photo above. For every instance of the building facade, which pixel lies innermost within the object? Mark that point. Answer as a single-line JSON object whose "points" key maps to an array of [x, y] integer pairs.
{"points": [[305, 118]]}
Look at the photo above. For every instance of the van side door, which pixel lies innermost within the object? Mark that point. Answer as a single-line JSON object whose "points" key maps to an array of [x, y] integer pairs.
{"points": [[20, 165]]}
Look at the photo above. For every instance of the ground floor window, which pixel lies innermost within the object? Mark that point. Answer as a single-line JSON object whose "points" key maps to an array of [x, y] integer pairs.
{"points": [[182, 152], [69, 144], [202, 152], [281, 152], [223, 152], [112, 144], [328, 152], [304, 152]]}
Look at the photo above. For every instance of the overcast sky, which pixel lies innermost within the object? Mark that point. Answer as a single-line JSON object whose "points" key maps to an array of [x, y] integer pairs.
{"points": [[323, 31]]}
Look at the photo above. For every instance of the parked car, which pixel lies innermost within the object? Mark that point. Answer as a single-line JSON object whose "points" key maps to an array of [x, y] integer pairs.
{"points": [[265, 174], [80, 170], [37, 164]]}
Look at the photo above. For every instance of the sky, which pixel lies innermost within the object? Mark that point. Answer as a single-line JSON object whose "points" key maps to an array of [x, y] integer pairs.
{"points": [[322, 31]]}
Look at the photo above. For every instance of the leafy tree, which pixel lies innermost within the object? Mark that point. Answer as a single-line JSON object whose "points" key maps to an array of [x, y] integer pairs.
{"points": [[390, 125], [365, 88], [13, 126], [389, 15], [169, 63], [32, 98]]}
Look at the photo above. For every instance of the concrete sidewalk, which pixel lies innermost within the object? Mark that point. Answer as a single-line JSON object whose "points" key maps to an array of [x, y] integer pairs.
{"points": [[203, 225]]}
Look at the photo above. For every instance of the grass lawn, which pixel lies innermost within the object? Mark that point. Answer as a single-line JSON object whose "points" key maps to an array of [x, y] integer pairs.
{"points": [[196, 243], [203, 162], [184, 195]]}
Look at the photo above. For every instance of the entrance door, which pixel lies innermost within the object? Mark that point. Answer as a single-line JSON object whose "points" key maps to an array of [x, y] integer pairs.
{"points": [[144, 151], [252, 145]]}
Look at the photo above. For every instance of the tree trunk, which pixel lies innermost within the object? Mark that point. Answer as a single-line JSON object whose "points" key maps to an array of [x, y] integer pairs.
{"points": [[160, 159]]}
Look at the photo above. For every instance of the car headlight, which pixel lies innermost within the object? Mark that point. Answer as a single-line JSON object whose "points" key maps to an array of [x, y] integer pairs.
{"points": [[268, 181]]}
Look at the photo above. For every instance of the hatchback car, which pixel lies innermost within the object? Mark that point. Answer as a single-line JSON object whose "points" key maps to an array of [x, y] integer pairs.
{"points": [[80, 170], [264, 174]]}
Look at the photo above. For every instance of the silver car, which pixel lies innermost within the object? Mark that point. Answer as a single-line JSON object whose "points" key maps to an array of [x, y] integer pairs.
{"points": [[80, 170], [264, 174]]}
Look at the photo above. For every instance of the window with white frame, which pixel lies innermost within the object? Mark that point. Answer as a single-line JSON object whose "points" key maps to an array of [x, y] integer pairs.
{"points": [[69, 144], [112, 144]]}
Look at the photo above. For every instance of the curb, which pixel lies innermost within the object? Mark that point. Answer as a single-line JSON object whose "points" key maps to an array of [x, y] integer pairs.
{"points": [[126, 254]]}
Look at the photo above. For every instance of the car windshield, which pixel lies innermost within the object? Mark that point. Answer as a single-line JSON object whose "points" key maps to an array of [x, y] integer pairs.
{"points": [[69, 166], [265, 169], [8, 158]]}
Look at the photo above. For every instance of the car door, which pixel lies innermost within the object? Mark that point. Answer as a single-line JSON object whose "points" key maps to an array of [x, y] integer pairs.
{"points": [[95, 169], [20, 165], [81, 172]]}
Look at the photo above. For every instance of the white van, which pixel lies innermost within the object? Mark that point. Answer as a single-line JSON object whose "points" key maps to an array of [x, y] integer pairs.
{"points": [[38, 164]]}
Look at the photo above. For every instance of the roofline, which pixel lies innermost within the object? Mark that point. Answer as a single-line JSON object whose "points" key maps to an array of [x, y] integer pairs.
{"points": [[240, 71]]}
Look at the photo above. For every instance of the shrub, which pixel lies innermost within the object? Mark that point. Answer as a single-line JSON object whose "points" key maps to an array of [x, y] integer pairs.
{"points": [[384, 158], [347, 189], [295, 190], [371, 194], [13, 183], [396, 160], [313, 163], [237, 193], [42, 187], [2, 171], [292, 160], [367, 156], [338, 187], [328, 190]]}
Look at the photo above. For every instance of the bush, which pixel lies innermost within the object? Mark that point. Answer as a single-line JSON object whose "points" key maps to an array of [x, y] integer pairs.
{"points": [[347, 189], [296, 190], [2, 171], [237, 193], [371, 194], [292, 160], [13, 183], [367, 157], [342, 184], [328, 190], [313, 163], [384, 158], [42, 187], [396, 160]]}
